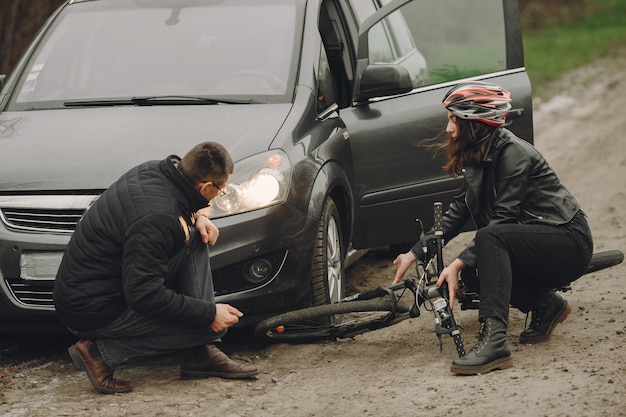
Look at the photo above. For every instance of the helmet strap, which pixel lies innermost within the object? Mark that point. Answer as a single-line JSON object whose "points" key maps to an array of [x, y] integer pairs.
{"points": [[475, 126]]}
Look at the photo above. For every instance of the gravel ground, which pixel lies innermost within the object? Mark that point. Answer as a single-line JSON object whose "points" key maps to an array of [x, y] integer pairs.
{"points": [[398, 371]]}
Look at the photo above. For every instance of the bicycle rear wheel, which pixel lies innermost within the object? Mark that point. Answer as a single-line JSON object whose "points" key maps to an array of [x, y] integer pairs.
{"points": [[606, 259], [330, 321]]}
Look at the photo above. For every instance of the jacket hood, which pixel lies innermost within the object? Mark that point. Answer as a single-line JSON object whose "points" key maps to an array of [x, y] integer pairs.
{"points": [[88, 149]]}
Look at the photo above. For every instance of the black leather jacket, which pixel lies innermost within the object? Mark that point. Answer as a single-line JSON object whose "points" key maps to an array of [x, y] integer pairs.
{"points": [[512, 184]]}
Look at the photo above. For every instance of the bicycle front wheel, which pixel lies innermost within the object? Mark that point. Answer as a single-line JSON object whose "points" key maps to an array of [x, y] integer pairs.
{"points": [[330, 321]]}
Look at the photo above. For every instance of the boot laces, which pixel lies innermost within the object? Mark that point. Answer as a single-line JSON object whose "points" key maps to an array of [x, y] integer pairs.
{"points": [[536, 315], [481, 337]]}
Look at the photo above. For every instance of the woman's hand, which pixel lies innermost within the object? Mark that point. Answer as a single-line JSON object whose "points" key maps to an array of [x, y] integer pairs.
{"points": [[403, 262], [450, 274]]}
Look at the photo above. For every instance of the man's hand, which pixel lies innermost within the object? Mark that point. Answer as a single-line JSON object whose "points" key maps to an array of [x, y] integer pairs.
{"points": [[225, 317], [208, 231]]}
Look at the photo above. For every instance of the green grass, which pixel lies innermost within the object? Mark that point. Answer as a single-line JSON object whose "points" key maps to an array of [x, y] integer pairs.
{"points": [[551, 51]]}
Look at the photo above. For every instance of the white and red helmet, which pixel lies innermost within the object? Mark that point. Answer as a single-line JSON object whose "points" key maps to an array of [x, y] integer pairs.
{"points": [[477, 100]]}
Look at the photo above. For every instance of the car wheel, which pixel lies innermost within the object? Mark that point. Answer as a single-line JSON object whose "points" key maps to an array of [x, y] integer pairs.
{"points": [[327, 272]]}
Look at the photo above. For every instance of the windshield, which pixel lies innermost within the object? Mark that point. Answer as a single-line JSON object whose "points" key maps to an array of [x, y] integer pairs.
{"points": [[120, 49]]}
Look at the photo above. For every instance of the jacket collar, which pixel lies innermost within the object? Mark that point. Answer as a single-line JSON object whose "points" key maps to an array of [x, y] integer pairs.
{"points": [[503, 136], [473, 174], [193, 200], [493, 146]]}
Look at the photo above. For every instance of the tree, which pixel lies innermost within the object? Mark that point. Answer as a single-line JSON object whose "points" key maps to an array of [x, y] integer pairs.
{"points": [[19, 22]]}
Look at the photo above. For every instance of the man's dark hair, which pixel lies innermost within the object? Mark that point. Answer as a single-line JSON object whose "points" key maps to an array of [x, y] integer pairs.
{"points": [[207, 161]]}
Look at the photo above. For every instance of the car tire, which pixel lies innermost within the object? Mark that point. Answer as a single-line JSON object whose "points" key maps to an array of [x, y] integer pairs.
{"points": [[327, 270]]}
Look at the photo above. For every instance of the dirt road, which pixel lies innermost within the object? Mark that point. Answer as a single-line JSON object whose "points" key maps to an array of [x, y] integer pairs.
{"points": [[398, 371]]}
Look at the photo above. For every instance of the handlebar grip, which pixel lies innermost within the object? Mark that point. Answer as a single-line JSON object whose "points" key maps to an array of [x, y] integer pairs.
{"points": [[438, 225], [458, 343], [438, 228]]}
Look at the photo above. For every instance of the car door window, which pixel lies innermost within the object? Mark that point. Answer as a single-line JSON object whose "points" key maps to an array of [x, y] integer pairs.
{"points": [[441, 40], [457, 39], [390, 41]]}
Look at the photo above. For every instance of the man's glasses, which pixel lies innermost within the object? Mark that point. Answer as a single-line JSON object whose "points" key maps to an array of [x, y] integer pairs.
{"points": [[222, 190]]}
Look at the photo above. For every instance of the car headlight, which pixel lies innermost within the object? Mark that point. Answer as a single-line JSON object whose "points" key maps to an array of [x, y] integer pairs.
{"points": [[258, 181]]}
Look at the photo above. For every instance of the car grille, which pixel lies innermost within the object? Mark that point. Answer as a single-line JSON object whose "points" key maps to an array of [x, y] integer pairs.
{"points": [[32, 294], [45, 214], [63, 221]]}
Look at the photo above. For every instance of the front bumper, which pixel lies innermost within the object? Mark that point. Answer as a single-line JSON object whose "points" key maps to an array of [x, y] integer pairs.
{"points": [[260, 265]]}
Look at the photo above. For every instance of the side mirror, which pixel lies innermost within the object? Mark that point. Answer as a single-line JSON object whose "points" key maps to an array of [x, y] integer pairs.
{"points": [[380, 80], [2, 80]]}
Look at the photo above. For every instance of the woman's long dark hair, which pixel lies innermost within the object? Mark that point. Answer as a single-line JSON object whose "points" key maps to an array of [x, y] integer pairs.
{"points": [[469, 148]]}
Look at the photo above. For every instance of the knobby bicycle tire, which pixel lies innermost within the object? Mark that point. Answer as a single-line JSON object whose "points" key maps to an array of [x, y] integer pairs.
{"points": [[606, 259], [329, 321]]}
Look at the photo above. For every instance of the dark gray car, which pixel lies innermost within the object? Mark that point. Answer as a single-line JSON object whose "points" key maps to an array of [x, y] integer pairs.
{"points": [[327, 107]]}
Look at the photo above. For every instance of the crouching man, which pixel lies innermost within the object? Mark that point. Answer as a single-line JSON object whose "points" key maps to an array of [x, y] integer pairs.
{"points": [[135, 279]]}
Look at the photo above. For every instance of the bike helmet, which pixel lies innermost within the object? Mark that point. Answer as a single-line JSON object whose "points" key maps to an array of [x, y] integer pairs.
{"points": [[476, 100]]}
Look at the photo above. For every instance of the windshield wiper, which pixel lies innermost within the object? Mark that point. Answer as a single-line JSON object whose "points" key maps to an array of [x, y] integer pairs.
{"points": [[155, 101], [175, 100]]}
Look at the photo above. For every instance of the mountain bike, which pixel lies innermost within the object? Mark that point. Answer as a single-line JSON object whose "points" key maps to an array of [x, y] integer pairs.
{"points": [[384, 306]]}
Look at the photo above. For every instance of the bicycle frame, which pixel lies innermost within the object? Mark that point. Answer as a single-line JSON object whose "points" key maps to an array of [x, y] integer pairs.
{"points": [[438, 298]]}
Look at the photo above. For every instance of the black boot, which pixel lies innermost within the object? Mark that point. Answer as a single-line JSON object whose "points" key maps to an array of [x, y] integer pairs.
{"points": [[552, 310], [489, 353]]}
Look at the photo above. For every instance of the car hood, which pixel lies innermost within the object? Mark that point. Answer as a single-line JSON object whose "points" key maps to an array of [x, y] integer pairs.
{"points": [[88, 149]]}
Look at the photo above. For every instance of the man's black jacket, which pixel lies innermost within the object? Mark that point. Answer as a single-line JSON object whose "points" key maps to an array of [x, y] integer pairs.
{"points": [[118, 255]]}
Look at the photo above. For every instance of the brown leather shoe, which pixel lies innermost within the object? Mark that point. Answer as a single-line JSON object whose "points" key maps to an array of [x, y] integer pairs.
{"points": [[99, 373], [207, 361]]}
